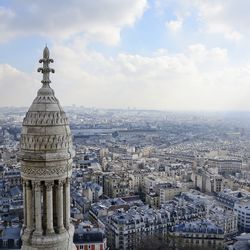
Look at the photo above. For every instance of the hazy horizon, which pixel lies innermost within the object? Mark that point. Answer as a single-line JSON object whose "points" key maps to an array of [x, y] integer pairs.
{"points": [[68, 107]]}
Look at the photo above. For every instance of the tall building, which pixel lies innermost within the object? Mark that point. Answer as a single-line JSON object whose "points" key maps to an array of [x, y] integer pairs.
{"points": [[242, 210], [208, 182], [126, 230], [226, 166], [46, 167]]}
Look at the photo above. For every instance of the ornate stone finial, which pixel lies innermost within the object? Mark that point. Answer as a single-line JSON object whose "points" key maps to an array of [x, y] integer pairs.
{"points": [[46, 69]]}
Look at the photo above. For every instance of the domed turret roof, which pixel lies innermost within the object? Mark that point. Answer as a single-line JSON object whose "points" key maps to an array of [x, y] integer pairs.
{"points": [[46, 136]]}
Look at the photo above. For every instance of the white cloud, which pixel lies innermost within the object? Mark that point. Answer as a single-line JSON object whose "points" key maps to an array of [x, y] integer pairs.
{"points": [[101, 20], [162, 81], [199, 79], [219, 17], [16, 86], [224, 17], [174, 25], [199, 53]]}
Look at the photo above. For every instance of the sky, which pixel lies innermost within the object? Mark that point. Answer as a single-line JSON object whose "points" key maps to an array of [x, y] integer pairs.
{"points": [[178, 55]]}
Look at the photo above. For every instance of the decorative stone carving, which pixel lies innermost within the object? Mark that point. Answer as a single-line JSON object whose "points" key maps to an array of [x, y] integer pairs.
{"points": [[49, 185], [28, 184], [46, 70], [48, 142], [45, 171], [45, 118], [61, 182], [37, 185]]}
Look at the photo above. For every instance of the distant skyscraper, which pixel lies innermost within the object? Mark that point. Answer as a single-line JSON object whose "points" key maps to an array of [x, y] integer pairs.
{"points": [[46, 167]]}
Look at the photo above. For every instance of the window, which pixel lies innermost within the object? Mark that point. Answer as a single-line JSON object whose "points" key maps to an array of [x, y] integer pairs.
{"points": [[5, 243]]}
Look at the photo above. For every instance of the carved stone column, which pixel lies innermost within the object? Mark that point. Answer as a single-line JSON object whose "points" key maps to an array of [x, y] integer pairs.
{"points": [[38, 210], [60, 206], [24, 205], [29, 203], [49, 207], [67, 202]]}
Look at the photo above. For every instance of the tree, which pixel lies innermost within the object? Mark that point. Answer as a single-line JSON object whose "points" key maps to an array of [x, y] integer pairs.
{"points": [[169, 242]]}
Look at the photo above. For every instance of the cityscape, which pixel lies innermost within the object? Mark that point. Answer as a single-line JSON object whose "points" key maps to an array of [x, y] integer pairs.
{"points": [[180, 178], [124, 125]]}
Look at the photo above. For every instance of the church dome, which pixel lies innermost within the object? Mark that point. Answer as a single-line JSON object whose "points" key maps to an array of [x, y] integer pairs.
{"points": [[46, 142]]}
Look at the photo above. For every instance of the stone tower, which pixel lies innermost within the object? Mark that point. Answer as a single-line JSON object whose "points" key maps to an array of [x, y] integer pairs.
{"points": [[46, 166]]}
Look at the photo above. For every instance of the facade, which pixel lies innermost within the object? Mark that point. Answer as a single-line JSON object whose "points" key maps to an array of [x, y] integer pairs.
{"points": [[92, 191], [137, 180], [242, 243], [116, 186], [152, 199], [10, 238], [214, 184], [150, 183], [168, 191], [199, 238], [106, 207], [242, 210], [90, 238], [225, 166], [229, 198], [206, 232], [13, 177], [208, 182], [46, 165], [125, 230], [180, 210], [227, 221]]}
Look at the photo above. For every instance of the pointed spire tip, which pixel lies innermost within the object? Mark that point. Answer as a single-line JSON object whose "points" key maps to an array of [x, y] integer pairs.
{"points": [[46, 70]]}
